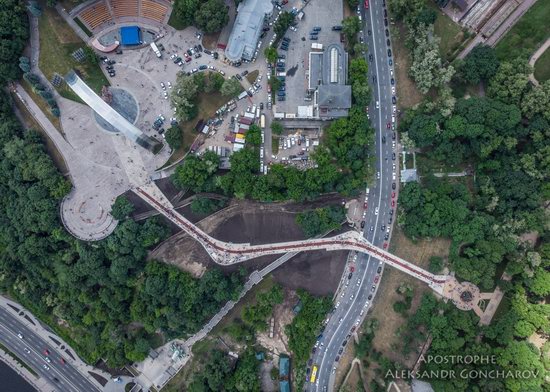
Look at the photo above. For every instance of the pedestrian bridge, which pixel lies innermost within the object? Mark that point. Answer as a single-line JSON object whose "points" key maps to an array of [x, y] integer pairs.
{"points": [[227, 253]]}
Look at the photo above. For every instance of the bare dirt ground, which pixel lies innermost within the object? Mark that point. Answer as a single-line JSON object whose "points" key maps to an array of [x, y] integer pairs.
{"points": [[407, 93], [386, 339], [257, 223], [354, 382]]}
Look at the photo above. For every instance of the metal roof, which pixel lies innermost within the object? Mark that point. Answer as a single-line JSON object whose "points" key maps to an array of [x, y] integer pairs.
{"points": [[247, 29]]}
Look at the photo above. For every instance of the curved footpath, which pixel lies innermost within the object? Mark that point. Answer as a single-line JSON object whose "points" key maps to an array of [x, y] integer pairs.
{"points": [[534, 59]]}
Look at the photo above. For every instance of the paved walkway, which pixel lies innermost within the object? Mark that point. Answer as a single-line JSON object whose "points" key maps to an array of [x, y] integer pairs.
{"points": [[535, 57]]}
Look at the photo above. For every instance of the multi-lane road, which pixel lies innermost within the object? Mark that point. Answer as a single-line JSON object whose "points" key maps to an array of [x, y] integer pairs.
{"points": [[352, 305], [30, 347]]}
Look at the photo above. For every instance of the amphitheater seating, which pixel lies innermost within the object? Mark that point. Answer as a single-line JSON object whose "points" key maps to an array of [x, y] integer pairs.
{"points": [[96, 15], [153, 10], [122, 8]]}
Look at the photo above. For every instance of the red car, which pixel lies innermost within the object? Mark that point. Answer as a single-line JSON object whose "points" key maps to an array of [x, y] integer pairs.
{"points": [[365, 205], [46, 352], [376, 278], [393, 203], [366, 4], [393, 195], [268, 88], [385, 245], [388, 125], [62, 361], [351, 269]]}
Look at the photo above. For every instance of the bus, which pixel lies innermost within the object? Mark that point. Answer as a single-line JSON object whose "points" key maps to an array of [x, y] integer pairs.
{"points": [[313, 374], [262, 121]]}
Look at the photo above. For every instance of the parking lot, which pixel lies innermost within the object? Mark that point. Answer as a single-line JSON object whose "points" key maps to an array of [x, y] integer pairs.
{"points": [[323, 14]]}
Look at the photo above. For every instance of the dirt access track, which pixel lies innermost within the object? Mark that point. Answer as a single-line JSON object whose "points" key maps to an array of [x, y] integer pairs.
{"points": [[258, 223]]}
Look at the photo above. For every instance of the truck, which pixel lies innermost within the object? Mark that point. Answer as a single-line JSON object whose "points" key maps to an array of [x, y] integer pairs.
{"points": [[316, 46], [262, 121], [242, 95], [257, 112], [155, 49]]}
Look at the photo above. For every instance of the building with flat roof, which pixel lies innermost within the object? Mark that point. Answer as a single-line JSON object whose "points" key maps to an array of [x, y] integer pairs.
{"points": [[130, 35], [247, 29], [328, 76]]}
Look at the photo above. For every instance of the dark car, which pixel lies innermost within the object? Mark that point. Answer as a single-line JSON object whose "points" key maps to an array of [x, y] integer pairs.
{"points": [[383, 139], [200, 47], [336, 28], [281, 98], [385, 13], [249, 93], [393, 136], [387, 236], [314, 32], [369, 32], [393, 186], [392, 81], [308, 370], [393, 100], [393, 156], [203, 67], [216, 55], [389, 52], [379, 269], [189, 52], [350, 275], [197, 55], [387, 33], [340, 351], [207, 51], [370, 57], [244, 73], [388, 42], [286, 39], [362, 224], [391, 62], [337, 358], [261, 106], [313, 37], [344, 343], [369, 297], [383, 227], [391, 212], [386, 22]]}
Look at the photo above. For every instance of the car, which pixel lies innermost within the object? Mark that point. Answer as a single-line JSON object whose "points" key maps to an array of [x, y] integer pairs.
{"points": [[202, 67], [372, 228], [163, 85], [394, 109], [392, 81], [393, 156], [393, 99], [48, 359], [261, 106], [379, 269], [390, 62], [387, 33], [393, 90], [281, 93], [393, 136], [19, 335], [376, 211], [56, 379], [386, 22], [388, 43], [391, 212], [365, 205], [211, 67], [371, 58], [385, 246], [337, 28], [340, 351], [389, 52], [313, 32], [383, 139], [388, 125], [199, 47], [377, 105], [369, 298], [377, 175], [351, 297], [215, 55], [350, 275], [393, 166], [27, 350], [313, 350], [281, 98], [358, 282], [197, 55], [317, 28], [337, 304], [308, 370], [376, 278], [383, 228], [313, 37], [194, 70], [340, 320], [169, 84], [165, 95], [387, 236], [46, 352], [46, 367], [369, 32], [390, 220], [337, 358], [393, 203]]}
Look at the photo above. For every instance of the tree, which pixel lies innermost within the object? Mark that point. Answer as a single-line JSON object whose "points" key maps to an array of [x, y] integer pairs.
{"points": [[276, 127], [353, 3], [185, 10], [271, 54], [320, 220], [510, 82], [174, 137], [211, 16], [122, 208], [351, 27], [254, 136], [283, 23], [537, 101], [204, 205], [184, 95], [197, 172], [231, 87], [480, 64], [14, 33]]}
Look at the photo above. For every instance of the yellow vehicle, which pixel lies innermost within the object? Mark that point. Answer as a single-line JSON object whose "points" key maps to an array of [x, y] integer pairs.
{"points": [[262, 121], [313, 374]]}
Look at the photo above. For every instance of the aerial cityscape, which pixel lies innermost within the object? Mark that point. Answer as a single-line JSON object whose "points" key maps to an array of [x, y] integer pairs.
{"points": [[275, 195]]}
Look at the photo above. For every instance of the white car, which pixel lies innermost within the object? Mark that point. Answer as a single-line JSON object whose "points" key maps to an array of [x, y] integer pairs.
{"points": [[293, 28], [20, 336], [391, 72], [211, 67], [393, 90], [169, 84], [376, 211], [163, 85], [377, 105], [392, 119], [394, 109], [393, 176], [337, 304]]}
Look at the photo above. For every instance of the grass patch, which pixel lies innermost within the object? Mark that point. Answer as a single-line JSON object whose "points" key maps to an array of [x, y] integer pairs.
{"points": [[207, 104], [527, 34], [83, 27], [542, 67], [57, 42], [275, 145], [409, 161], [426, 166], [18, 360], [51, 149], [451, 33], [251, 77], [42, 105]]}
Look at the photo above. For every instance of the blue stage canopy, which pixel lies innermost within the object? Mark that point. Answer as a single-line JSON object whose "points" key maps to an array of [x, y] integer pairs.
{"points": [[129, 35]]}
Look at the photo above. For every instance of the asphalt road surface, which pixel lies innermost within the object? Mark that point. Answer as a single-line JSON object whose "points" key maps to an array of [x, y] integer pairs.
{"points": [[353, 304], [69, 378]]}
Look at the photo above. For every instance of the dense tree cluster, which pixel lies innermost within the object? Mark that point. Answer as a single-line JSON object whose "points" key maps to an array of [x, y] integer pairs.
{"points": [[209, 15], [219, 374], [341, 166], [321, 220], [205, 205], [256, 315], [98, 289], [13, 38], [358, 78], [305, 326], [480, 64]]}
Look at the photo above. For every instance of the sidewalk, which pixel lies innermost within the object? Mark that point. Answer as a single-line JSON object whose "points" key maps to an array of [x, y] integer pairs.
{"points": [[534, 59]]}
